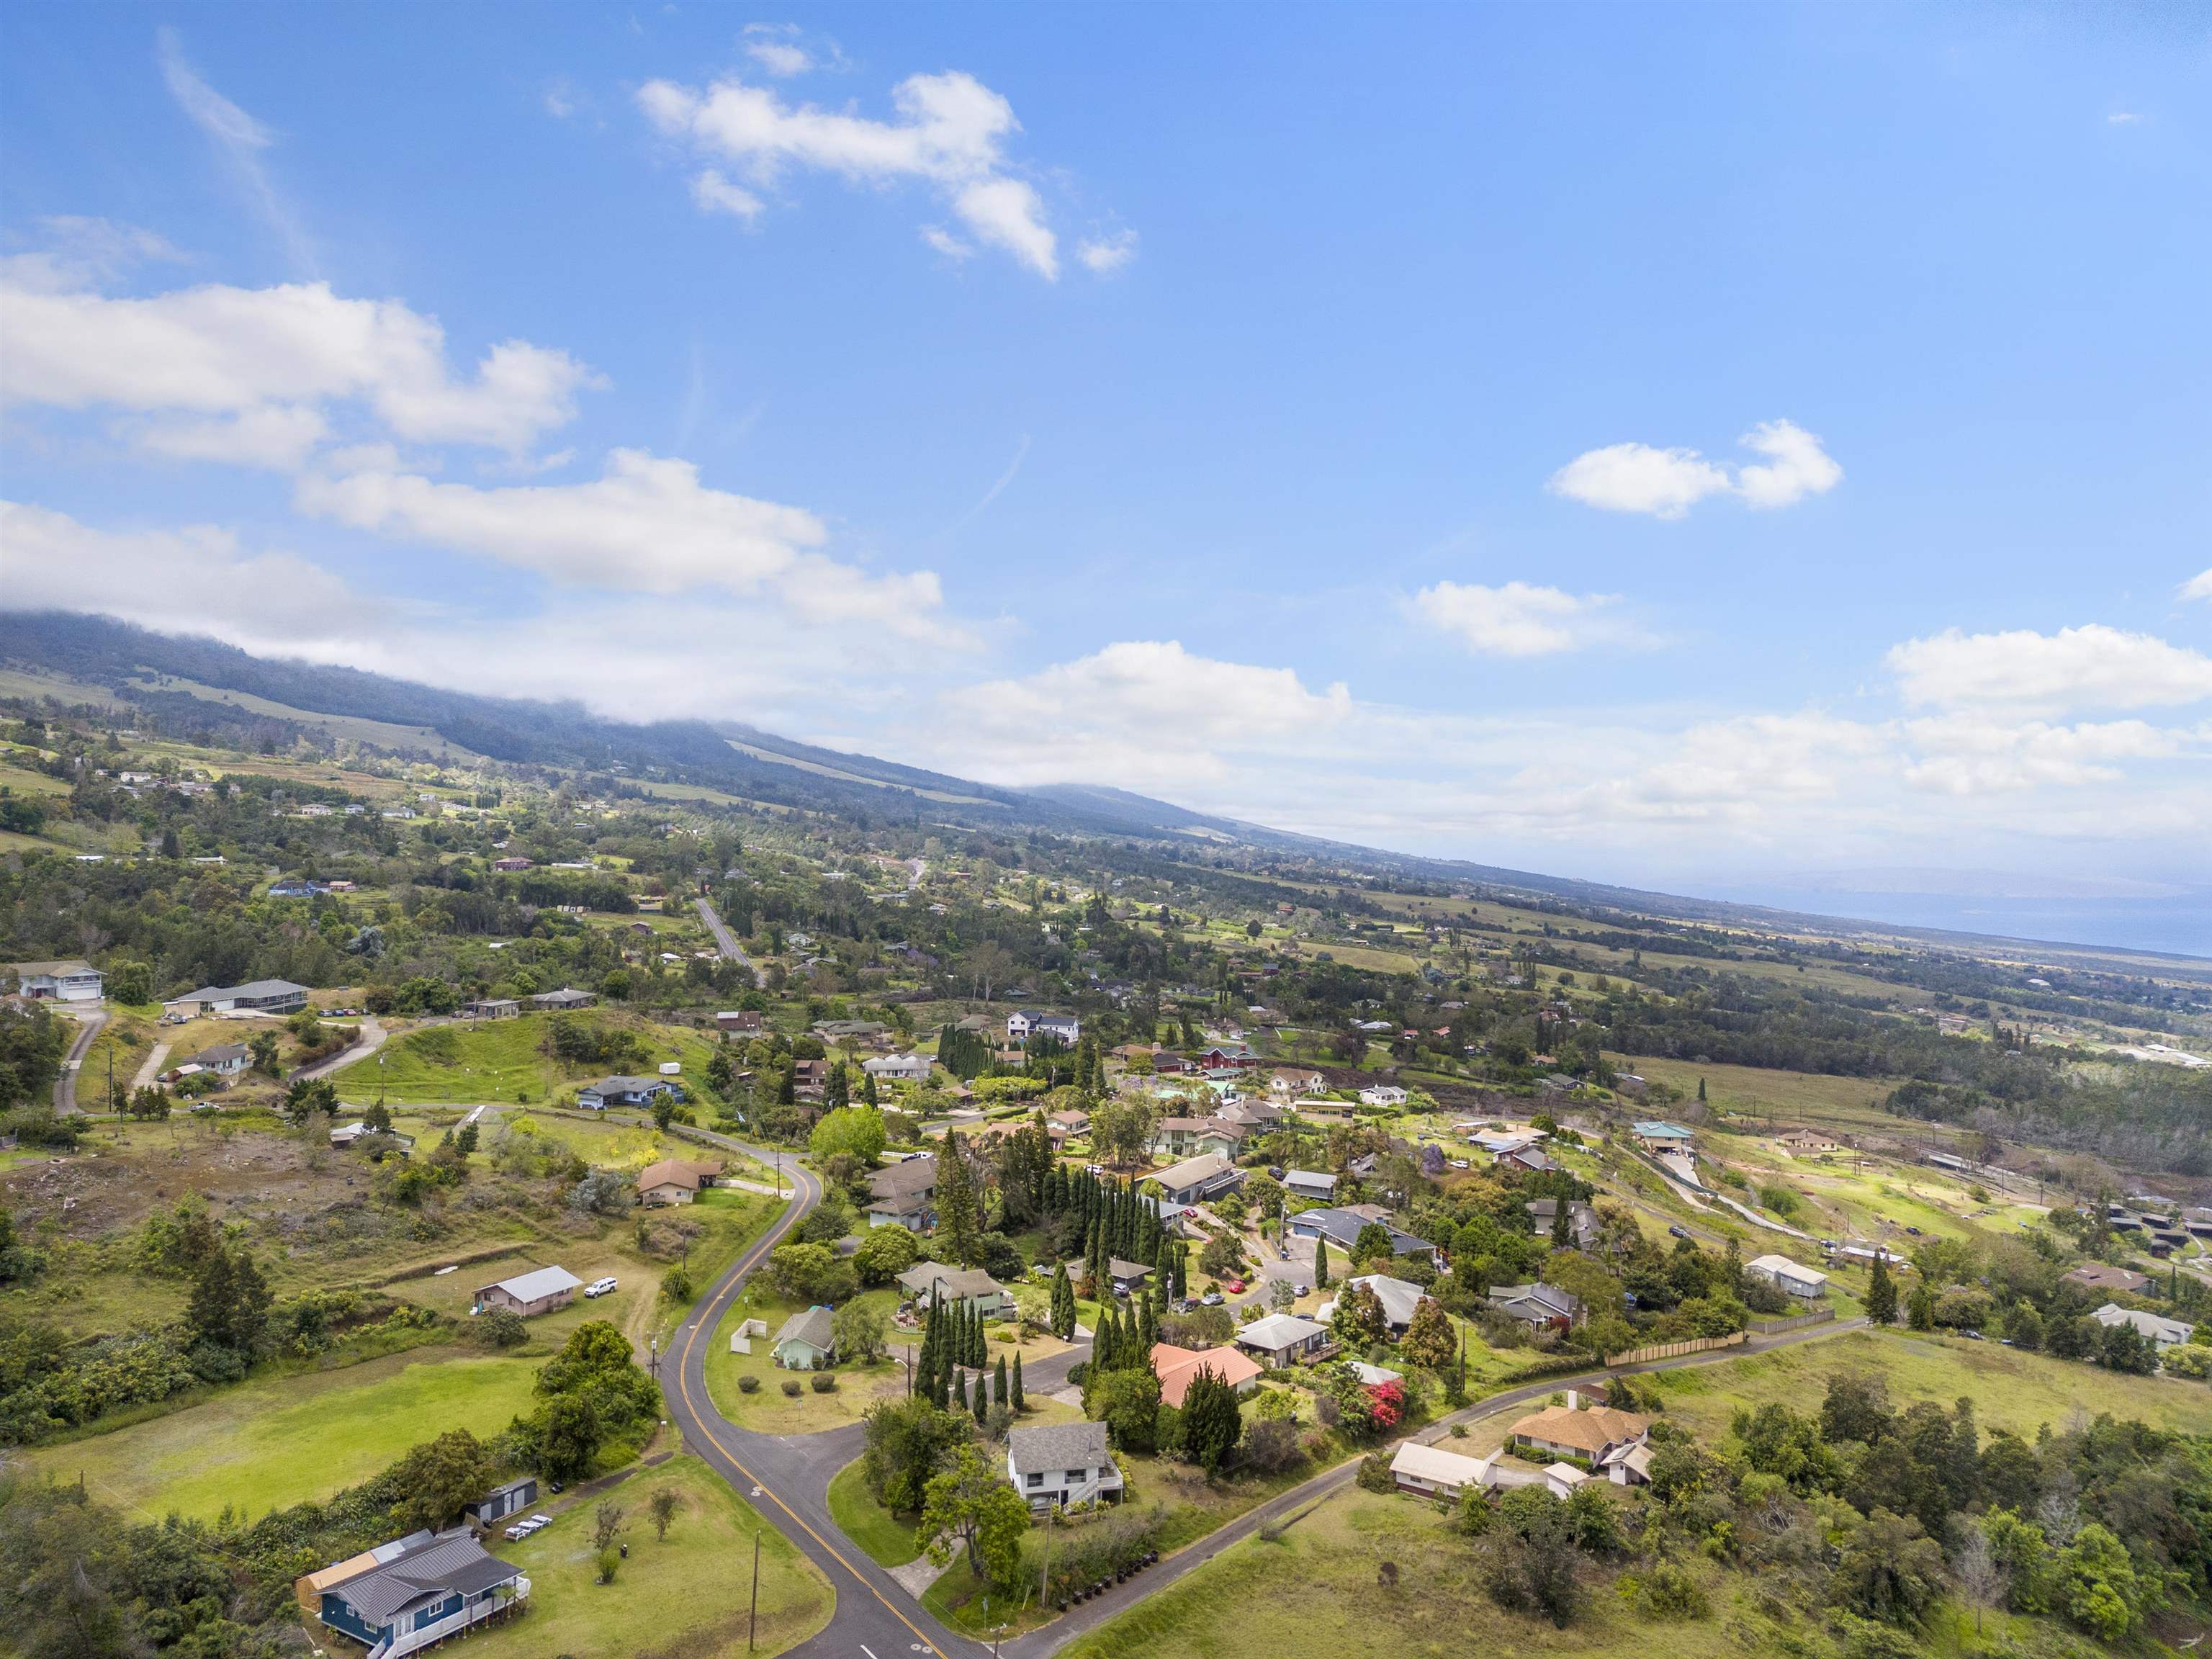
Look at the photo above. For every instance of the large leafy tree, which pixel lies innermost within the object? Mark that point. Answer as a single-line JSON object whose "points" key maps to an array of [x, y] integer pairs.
{"points": [[1211, 1421], [1430, 1338], [972, 1508]]}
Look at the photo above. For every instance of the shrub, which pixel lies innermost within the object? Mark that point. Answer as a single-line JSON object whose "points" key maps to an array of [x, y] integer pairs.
{"points": [[824, 1383], [502, 1328], [748, 1383], [1667, 1591], [791, 1386], [610, 1564], [1375, 1474]]}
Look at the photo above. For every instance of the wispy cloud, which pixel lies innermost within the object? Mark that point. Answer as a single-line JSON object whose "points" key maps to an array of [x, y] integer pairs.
{"points": [[1518, 619], [241, 139], [1106, 255], [2198, 586]]}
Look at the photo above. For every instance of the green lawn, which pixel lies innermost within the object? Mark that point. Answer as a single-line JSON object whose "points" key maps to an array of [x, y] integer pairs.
{"points": [[768, 1410], [500, 1060], [267, 1444], [888, 1541], [2011, 1389], [686, 1593]]}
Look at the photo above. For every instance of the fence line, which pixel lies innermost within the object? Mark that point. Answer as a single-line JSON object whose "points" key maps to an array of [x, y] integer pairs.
{"points": [[1669, 1350], [1792, 1321]]}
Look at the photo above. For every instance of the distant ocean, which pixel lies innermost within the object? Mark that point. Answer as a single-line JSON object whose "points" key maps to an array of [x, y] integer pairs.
{"points": [[2180, 926]]}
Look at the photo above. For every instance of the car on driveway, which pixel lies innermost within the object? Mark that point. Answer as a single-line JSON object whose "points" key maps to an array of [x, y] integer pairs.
{"points": [[600, 1286], [1211, 1299], [1235, 1287]]}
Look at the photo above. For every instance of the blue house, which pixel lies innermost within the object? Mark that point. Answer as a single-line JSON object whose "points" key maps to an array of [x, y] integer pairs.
{"points": [[418, 1589]]}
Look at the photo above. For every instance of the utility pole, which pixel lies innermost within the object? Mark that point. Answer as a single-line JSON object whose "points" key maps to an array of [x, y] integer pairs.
{"points": [[752, 1614], [1044, 1577]]}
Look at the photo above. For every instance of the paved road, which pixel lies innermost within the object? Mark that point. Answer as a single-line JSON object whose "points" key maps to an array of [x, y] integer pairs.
{"points": [[88, 1026], [725, 940], [787, 1477], [372, 1035]]}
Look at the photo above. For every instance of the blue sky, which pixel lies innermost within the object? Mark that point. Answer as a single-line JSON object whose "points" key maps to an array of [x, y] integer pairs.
{"points": [[1694, 446]]}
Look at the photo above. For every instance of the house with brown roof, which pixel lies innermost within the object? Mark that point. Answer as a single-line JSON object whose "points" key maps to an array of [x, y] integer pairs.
{"points": [[676, 1180], [904, 1195], [2103, 1276], [1176, 1368], [1592, 1433], [1186, 1137]]}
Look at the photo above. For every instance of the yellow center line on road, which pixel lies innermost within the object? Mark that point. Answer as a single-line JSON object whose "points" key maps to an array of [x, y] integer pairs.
{"points": [[683, 1385]]}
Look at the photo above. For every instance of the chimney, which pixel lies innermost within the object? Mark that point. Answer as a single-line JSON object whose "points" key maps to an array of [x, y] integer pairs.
{"points": [[1574, 1401]]}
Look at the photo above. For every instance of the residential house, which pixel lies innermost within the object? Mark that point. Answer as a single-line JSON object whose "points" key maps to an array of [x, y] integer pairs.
{"points": [[260, 996], [1432, 1472], [1025, 1023], [1341, 1226], [543, 1290], [510, 864], [810, 1078], [405, 1595], [225, 1060], [1176, 1368], [626, 1092], [1197, 1179], [1127, 1278], [904, 1195], [1592, 1433], [1808, 1140], [344, 1135], [1545, 1307], [1785, 1274], [1656, 1135], [1062, 1463], [1070, 1121], [510, 1497], [676, 1181], [1227, 1057], [898, 1068], [69, 980], [492, 1008], [1400, 1299], [1185, 1137], [1287, 1086], [566, 997], [1382, 1094], [807, 1342], [1310, 1184], [1252, 1116], [1529, 1160], [865, 1032], [967, 1286], [2103, 1276], [1282, 1338], [1582, 1220], [745, 1022], [2166, 1332]]}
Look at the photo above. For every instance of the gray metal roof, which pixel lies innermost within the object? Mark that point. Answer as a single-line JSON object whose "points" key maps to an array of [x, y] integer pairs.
{"points": [[540, 1282], [814, 1327], [1058, 1446], [450, 1561]]}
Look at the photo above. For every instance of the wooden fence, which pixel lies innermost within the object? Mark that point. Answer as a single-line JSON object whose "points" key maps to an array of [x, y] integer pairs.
{"points": [[1669, 1350], [1792, 1321]]}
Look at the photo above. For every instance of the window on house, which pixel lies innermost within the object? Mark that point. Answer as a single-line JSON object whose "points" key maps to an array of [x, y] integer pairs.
{"points": [[1036, 1480]]}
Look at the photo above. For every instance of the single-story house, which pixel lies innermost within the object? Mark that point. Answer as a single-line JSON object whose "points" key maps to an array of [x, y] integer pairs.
{"points": [[1581, 1218], [541, 1290], [1177, 1367], [1310, 1184], [1529, 1160], [1185, 1137], [413, 1591], [676, 1180], [509, 865], [1400, 1299], [1785, 1274], [2103, 1276], [1382, 1094], [2166, 1332], [1070, 1121], [1432, 1472], [904, 1195], [745, 1021], [971, 1287], [1341, 1226], [898, 1068], [346, 1134], [1540, 1305], [1282, 1338], [501, 1501], [1062, 1463], [1589, 1432], [1197, 1179], [807, 1341], [1808, 1140], [1025, 1023], [1127, 1277], [566, 997], [260, 996], [224, 1060], [1656, 1134], [626, 1092], [69, 980], [835, 1031], [492, 1008]]}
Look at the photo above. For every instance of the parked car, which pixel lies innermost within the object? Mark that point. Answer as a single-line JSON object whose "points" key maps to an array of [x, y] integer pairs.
{"points": [[1211, 1299], [520, 1530], [1235, 1287], [543, 1520], [599, 1286], [1300, 1288], [1678, 1231]]}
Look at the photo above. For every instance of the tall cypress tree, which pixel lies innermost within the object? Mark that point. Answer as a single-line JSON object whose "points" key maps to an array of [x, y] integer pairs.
{"points": [[999, 1382], [1014, 1397], [982, 1404], [1321, 1264], [925, 1364], [977, 1354], [959, 1219]]}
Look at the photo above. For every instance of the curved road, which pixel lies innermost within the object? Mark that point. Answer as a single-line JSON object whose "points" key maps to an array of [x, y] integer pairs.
{"points": [[89, 1025], [787, 1477]]}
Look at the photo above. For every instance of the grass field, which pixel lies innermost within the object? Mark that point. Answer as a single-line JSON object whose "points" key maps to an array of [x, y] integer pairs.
{"points": [[889, 1542], [1791, 1097], [769, 1411], [686, 1595], [2011, 1389], [263, 1445], [497, 1060]]}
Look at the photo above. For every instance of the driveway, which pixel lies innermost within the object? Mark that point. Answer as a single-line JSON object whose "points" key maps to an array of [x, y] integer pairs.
{"points": [[88, 1026], [372, 1035]]}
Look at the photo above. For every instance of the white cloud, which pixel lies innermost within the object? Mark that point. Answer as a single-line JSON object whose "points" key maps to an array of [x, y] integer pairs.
{"points": [[950, 132], [2122, 118], [239, 137], [1635, 477], [2093, 666], [77, 251], [1516, 620], [280, 437], [715, 194], [261, 357], [2198, 587], [560, 98], [776, 48], [946, 243], [1106, 255], [1973, 754]]}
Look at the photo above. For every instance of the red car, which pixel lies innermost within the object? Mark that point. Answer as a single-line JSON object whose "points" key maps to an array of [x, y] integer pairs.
{"points": [[1235, 1287]]}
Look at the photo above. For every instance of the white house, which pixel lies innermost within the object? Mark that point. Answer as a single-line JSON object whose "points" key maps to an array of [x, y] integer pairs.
{"points": [[1310, 1184], [260, 996], [1025, 1023], [1401, 1298], [1785, 1274], [73, 979], [1382, 1094], [2166, 1332], [1432, 1472], [1282, 1338], [898, 1068], [1062, 1463]]}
